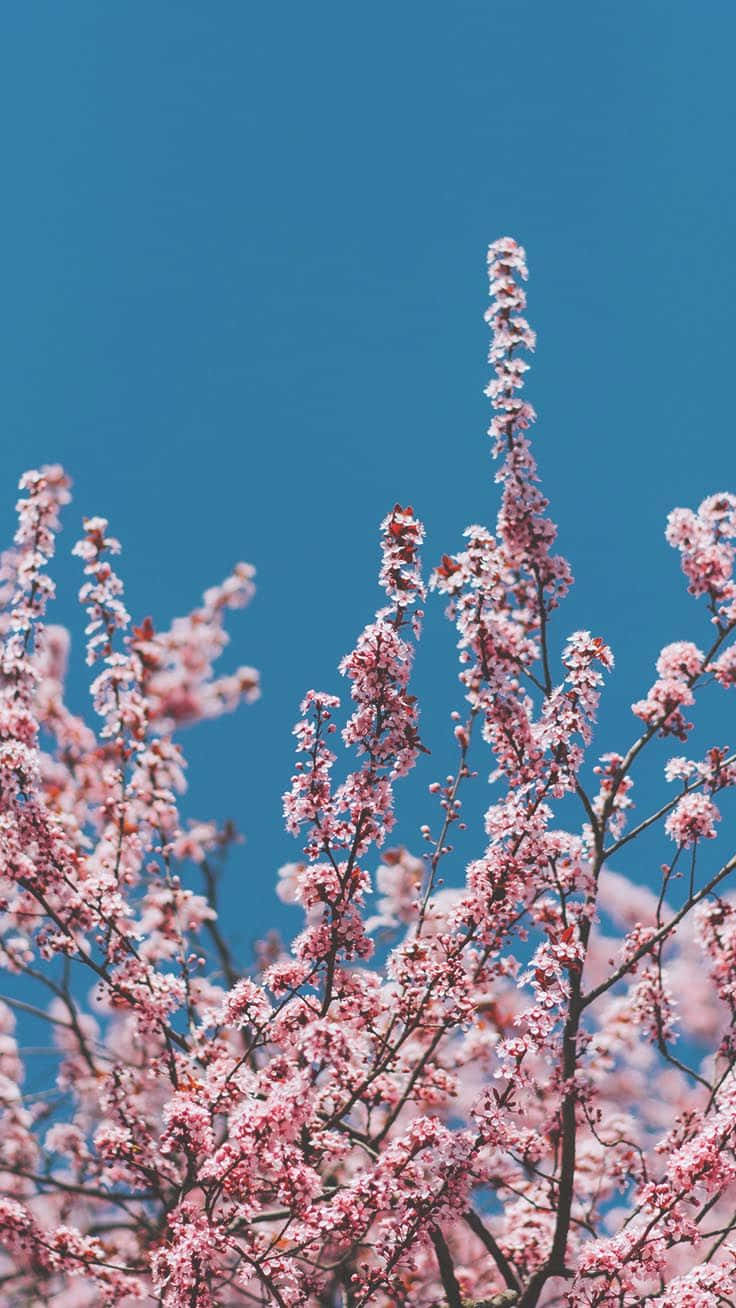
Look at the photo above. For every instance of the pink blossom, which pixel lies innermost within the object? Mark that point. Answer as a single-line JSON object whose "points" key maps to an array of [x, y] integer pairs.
{"points": [[692, 819]]}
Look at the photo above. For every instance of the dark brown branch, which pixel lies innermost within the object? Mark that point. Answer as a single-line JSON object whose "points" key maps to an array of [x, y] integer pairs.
{"points": [[484, 1235], [447, 1271]]}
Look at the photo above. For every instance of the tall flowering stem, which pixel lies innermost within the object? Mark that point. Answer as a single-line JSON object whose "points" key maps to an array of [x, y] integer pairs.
{"points": [[343, 822]]}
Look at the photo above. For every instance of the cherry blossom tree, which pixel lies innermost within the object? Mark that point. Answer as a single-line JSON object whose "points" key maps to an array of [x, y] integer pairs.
{"points": [[519, 1091]]}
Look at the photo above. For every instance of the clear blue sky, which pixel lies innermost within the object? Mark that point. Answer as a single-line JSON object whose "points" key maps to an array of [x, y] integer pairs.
{"points": [[243, 287]]}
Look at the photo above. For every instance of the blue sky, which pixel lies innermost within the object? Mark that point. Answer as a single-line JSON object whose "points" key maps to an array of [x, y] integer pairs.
{"points": [[242, 302]]}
